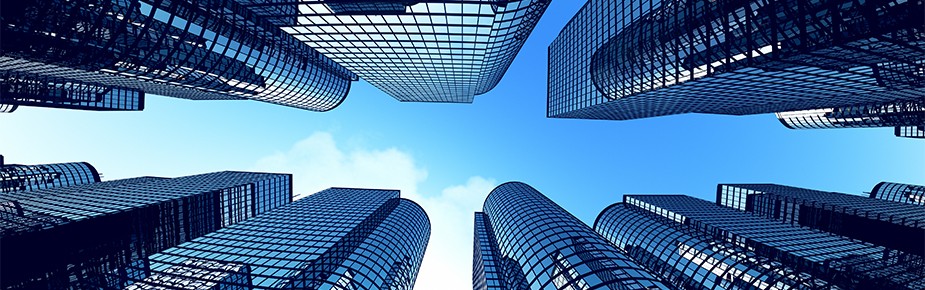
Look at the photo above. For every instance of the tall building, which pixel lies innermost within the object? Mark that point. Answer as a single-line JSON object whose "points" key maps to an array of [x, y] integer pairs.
{"points": [[18, 177], [696, 244], [848, 63], [899, 192], [71, 237], [886, 223], [339, 238], [418, 51], [524, 240], [107, 55]]}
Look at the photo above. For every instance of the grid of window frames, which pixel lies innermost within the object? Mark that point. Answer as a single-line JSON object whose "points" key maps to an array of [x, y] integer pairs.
{"points": [[18, 178], [339, 238], [842, 261], [637, 59], [486, 260], [886, 223], [553, 249], [50, 90], [689, 259], [894, 114], [421, 51], [899, 192], [907, 131], [185, 49], [84, 231]]}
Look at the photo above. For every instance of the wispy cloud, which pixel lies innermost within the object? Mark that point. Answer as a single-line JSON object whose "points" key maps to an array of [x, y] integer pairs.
{"points": [[317, 163]]}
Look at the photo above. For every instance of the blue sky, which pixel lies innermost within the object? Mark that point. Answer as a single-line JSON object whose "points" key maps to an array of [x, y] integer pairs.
{"points": [[449, 156]]}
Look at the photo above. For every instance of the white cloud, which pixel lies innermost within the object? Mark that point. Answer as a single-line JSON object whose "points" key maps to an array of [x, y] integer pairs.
{"points": [[316, 163]]}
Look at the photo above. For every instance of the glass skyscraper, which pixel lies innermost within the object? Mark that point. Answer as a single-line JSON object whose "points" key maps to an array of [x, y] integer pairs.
{"points": [[339, 238], [858, 63], [18, 177], [419, 51], [523, 240], [767, 236], [72, 237], [108, 54]]}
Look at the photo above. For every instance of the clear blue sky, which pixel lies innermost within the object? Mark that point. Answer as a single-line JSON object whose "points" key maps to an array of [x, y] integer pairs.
{"points": [[504, 135]]}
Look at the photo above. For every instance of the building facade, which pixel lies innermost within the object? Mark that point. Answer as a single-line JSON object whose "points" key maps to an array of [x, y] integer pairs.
{"points": [[622, 60], [524, 240], [339, 238], [107, 55], [886, 223], [697, 244], [415, 51], [899, 192], [81, 233], [18, 177]]}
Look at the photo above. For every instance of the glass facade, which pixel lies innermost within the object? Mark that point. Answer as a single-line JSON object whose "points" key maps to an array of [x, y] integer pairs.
{"points": [[899, 192], [18, 178], [339, 238], [420, 51], [886, 223], [624, 60], [910, 131], [811, 256], [82, 232], [526, 241], [105, 55], [689, 259]]}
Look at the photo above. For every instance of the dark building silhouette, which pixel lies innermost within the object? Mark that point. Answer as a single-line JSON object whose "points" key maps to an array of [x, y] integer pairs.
{"points": [[18, 177], [855, 61], [899, 192], [339, 238], [910, 131], [526, 241], [696, 244], [72, 237], [107, 55], [418, 51]]}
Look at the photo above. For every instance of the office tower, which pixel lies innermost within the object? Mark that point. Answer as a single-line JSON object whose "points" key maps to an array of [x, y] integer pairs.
{"points": [[886, 223], [899, 192], [72, 236], [109, 54], [18, 177], [895, 114], [696, 244], [339, 238], [419, 51], [524, 240], [624, 60], [909, 131]]}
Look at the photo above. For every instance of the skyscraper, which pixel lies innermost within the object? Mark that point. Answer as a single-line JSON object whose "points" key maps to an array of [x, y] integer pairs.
{"points": [[73, 236], [339, 238], [419, 51], [523, 240], [107, 55], [854, 61], [894, 225], [899, 192], [696, 244], [18, 177]]}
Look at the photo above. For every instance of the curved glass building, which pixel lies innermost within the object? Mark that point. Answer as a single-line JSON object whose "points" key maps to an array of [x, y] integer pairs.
{"points": [[107, 55], [339, 238], [415, 51], [18, 178], [749, 251], [899, 192], [689, 259], [526, 241], [624, 60]]}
